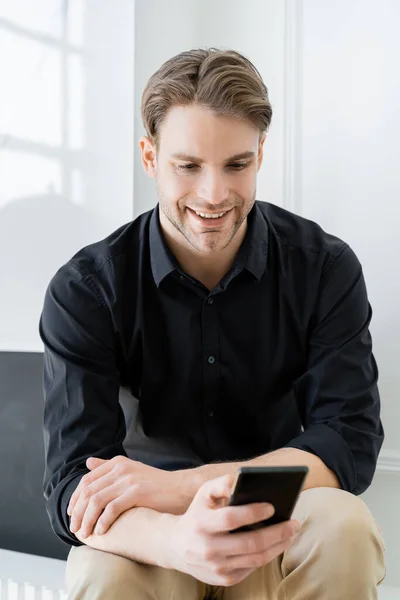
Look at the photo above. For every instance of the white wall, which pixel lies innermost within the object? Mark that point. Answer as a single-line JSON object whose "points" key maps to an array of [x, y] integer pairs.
{"points": [[350, 156], [66, 144], [345, 170]]}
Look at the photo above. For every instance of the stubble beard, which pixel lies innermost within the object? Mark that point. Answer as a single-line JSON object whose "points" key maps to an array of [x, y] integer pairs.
{"points": [[214, 246]]}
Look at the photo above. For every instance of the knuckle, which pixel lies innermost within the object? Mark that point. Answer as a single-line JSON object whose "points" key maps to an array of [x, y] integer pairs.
{"points": [[94, 502], [112, 510], [120, 468], [85, 493]]}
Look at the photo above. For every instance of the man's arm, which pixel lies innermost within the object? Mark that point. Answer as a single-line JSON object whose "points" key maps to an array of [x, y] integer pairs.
{"points": [[82, 415], [318, 476], [140, 534]]}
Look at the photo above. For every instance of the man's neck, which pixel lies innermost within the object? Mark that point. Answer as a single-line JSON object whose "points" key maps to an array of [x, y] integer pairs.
{"points": [[209, 269]]}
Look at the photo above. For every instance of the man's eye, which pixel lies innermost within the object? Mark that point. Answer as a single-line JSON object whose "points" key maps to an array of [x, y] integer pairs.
{"points": [[237, 166], [192, 167], [189, 167]]}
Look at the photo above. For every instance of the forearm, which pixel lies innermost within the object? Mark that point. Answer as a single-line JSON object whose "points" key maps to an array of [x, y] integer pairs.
{"points": [[319, 475], [140, 534]]}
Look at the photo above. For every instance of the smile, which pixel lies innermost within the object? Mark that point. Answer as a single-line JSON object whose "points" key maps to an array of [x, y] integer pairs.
{"points": [[210, 215]]}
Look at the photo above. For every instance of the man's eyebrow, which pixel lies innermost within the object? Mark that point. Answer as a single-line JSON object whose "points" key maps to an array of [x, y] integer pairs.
{"points": [[196, 159]]}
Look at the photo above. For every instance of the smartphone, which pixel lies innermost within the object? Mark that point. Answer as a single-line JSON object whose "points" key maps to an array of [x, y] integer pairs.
{"points": [[280, 486]]}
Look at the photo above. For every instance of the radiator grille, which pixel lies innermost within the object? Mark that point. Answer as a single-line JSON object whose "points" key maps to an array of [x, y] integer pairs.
{"points": [[13, 590]]}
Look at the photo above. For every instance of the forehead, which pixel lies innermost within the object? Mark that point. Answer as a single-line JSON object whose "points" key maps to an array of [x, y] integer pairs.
{"points": [[199, 132]]}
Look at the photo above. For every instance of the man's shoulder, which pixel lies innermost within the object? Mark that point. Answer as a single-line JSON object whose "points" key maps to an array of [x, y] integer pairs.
{"points": [[121, 245], [294, 231]]}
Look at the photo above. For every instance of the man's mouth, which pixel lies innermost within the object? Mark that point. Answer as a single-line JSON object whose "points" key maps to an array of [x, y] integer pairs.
{"points": [[209, 217]]}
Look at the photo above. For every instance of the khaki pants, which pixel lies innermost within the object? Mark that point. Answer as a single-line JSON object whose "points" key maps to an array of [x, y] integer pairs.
{"points": [[338, 555]]}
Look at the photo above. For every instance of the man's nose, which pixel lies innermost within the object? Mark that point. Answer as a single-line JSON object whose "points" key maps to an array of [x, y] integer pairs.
{"points": [[213, 188]]}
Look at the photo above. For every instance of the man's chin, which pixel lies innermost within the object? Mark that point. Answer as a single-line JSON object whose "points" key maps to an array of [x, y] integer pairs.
{"points": [[210, 248]]}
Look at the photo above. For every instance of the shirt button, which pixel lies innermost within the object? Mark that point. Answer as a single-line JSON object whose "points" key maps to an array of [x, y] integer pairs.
{"points": [[210, 414], [210, 300], [182, 277], [211, 360]]}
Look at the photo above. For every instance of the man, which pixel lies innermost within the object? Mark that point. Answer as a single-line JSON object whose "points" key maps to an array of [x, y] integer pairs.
{"points": [[237, 333]]}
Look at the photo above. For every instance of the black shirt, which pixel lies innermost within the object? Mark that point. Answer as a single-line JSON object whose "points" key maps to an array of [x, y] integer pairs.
{"points": [[143, 360]]}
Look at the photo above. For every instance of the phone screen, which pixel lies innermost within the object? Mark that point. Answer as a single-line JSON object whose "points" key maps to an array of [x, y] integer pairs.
{"points": [[280, 486]]}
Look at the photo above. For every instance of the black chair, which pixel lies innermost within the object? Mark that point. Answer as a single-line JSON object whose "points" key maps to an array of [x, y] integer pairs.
{"points": [[24, 525]]}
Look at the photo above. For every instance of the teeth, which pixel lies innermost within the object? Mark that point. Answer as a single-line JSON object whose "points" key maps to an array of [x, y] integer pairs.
{"points": [[209, 216]]}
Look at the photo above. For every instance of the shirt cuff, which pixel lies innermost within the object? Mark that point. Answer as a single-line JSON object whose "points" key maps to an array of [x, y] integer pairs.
{"points": [[57, 511], [331, 448]]}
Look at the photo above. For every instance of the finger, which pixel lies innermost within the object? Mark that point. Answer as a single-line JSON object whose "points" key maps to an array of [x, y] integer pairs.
{"points": [[84, 498], [232, 517], [113, 510], [258, 559], [96, 505], [213, 490], [254, 542], [86, 480], [93, 462]]}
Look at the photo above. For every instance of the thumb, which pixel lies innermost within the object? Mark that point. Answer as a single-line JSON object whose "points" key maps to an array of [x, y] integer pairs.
{"points": [[93, 462], [216, 492]]}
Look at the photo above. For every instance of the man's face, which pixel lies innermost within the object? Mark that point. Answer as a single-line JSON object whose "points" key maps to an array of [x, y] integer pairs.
{"points": [[205, 172]]}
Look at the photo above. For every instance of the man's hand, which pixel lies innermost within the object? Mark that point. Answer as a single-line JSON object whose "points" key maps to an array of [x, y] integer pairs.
{"points": [[116, 485], [202, 546]]}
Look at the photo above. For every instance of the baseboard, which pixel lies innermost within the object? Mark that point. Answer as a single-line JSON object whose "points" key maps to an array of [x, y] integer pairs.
{"points": [[389, 461]]}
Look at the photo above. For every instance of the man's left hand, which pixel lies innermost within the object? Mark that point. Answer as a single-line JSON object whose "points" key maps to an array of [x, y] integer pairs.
{"points": [[116, 485]]}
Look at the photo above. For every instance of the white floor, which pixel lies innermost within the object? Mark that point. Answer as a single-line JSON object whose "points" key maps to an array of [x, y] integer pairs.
{"points": [[27, 577]]}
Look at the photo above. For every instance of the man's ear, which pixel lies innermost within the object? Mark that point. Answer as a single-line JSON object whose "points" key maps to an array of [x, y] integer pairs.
{"points": [[260, 155], [149, 155]]}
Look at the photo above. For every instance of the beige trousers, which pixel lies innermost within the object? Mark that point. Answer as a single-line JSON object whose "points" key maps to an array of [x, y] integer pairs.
{"points": [[338, 555]]}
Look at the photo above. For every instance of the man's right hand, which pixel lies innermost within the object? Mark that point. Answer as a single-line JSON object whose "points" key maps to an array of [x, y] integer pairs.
{"points": [[202, 546]]}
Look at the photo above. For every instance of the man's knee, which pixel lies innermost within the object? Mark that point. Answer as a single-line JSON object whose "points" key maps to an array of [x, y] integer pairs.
{"points": [[336, 512], [96, 575]]}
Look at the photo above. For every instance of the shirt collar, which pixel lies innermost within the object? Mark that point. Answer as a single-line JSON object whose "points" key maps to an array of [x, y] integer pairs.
{"points": [[256, 242], [254, 250], [163, 262]]}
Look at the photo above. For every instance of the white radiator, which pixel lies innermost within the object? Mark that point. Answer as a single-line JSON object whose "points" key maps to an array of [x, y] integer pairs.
{"points": [[13, 590], [28, 577]]}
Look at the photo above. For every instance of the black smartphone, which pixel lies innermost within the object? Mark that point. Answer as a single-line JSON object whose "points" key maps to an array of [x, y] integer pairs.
{"points": [[280, 486]]}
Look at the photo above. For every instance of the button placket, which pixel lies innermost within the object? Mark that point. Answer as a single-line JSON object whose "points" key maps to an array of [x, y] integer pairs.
{"points": [[210, 361]]}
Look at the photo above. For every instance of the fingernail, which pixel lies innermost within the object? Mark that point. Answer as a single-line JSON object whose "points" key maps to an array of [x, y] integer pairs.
{"points": [[99, 530]]}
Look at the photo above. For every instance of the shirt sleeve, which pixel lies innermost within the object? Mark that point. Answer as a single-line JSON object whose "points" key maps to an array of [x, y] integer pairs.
{"points": [[82, 415], [337, 396]]}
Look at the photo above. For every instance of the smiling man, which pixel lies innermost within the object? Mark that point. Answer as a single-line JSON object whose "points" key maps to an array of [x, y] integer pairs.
{"points": [[212, 332]]}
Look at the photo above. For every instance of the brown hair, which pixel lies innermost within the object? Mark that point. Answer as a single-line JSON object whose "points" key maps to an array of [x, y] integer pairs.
{"points": [[222, 80]]}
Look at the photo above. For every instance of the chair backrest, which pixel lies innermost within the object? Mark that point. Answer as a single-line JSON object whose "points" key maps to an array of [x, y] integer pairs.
{"points": [[24, 525]]}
